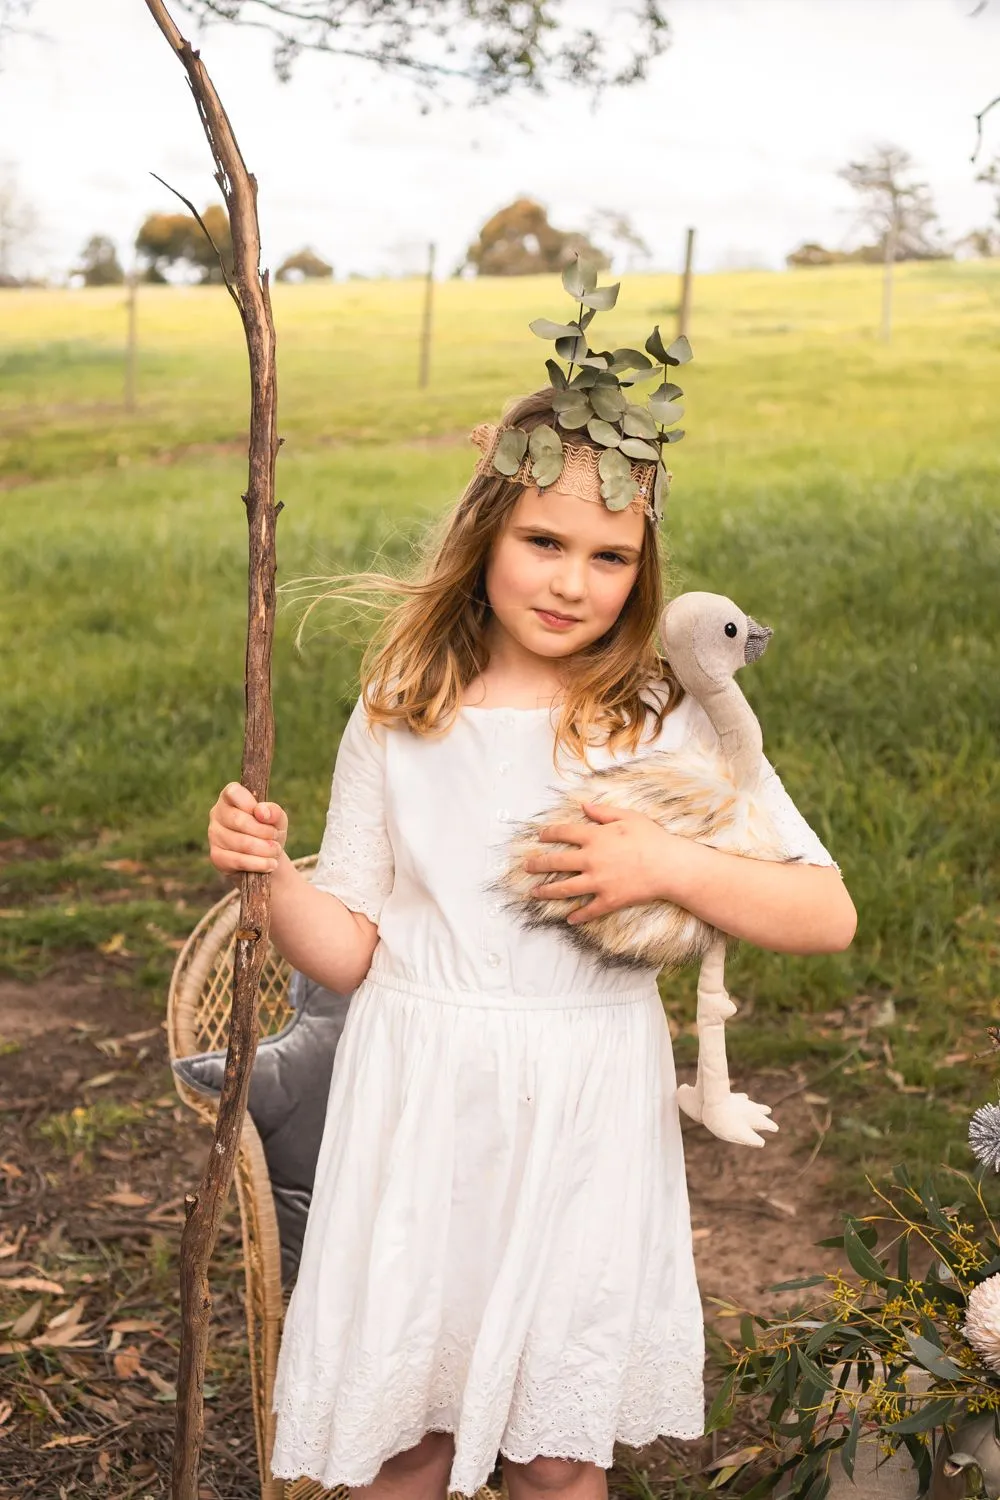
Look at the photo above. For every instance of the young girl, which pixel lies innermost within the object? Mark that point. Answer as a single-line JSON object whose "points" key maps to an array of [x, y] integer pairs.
{"points": [[498, 1253]]}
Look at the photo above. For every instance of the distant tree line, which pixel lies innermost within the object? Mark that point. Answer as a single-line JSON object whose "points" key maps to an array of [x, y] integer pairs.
{"points": [[897, 213], [177, 242], [896, 217]]}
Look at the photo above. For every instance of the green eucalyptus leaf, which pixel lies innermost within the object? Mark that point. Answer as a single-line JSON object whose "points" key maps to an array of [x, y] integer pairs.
{"points": [[595, 361], [572, 348], [511, 449], [654, 346], [720, 1410], [557, 378], [636, 375], [666, 392], [812, 1372], [850, 1448], [546, 449], [630, 359], [579, 277], [924, 1417], [544, 440], [577, 416], [638, 423], [666, 412], [931, 1358], [636, 448], [583, 380], [861, 1258], [675, 436], [601, 298], [568, 399], [544, 328], [607, 401], [661, 489], [585, 321], [618, 488], [799, 1284], [614, 467], [680, 351], [604, 433]]}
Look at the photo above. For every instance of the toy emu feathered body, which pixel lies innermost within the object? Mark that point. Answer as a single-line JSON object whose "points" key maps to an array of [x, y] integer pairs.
{"points": [[708, 795]]}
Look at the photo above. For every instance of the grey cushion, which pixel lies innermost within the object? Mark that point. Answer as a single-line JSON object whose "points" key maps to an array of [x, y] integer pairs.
{"points": [[287, 1101]]}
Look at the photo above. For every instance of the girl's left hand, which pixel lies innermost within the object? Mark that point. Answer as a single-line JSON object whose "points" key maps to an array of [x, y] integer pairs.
{"points": [[621, 858]]}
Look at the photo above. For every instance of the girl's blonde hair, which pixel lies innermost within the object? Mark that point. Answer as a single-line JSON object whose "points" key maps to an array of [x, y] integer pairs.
{"points": [[429, 646]]}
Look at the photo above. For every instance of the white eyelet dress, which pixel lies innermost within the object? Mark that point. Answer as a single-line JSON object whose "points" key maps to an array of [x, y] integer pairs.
{"points": [[499, 1243]]}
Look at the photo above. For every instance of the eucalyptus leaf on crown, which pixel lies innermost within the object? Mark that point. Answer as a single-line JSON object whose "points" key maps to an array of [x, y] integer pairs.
{"points": [[593, 392]]}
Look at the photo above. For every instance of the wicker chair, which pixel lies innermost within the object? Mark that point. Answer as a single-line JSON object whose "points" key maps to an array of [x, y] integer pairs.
{"points": [[198, 1021]]}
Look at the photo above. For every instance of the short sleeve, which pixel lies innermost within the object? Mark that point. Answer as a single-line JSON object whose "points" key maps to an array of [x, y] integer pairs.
{"points": [[355, 860], [799, 841]]}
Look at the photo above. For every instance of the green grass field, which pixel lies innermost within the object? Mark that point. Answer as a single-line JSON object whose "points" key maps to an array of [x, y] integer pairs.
{"points": [[841, 490]]}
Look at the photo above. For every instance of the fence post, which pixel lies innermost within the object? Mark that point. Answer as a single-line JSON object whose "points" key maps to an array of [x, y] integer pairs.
{"points": [[130, 344], [426, 325], [888, 266], [684, 312]]}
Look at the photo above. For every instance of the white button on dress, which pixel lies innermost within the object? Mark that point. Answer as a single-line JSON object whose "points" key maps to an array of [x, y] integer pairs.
{"points": [[499, 1241]]}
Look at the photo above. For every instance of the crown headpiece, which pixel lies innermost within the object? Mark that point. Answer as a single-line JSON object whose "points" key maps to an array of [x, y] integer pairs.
{"points": [[580, 473], [631, 470]]}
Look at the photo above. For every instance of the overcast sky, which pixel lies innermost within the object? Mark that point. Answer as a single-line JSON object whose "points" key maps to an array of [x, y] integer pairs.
{"points": [[739, 130]]}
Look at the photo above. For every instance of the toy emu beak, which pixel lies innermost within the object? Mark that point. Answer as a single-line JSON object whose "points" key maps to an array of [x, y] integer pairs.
{"points": [[757, 639]]}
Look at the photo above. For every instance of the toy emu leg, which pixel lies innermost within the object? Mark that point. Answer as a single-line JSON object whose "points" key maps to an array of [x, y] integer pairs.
{"points": [[732, 1117]]}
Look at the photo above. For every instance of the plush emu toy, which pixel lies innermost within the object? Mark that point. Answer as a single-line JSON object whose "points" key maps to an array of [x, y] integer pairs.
{"points": [[706, 795]]}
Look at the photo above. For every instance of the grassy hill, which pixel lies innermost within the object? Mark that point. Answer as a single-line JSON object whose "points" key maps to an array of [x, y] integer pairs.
{"points": [[842, 490]]}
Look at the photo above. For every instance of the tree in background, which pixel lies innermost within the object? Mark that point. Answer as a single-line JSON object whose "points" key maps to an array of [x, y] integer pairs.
{"points": [[493, 45], [898, 210], [985, 242], [811, 254], [177, 241], [18, 226], [304, 265], [893, 206], [99, 263], [615, 229], [520, 241]]}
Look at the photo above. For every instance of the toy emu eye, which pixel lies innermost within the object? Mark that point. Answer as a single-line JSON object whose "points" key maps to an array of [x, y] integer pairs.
{"points": [[731, 630]]}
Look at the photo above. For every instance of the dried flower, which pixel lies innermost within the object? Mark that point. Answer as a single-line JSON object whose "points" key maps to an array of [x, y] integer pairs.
{"points": [[984, 1135], [982, 1319]]}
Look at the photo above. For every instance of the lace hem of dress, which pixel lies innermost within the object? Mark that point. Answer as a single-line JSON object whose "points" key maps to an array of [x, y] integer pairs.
{"points": [[378, 1408]]}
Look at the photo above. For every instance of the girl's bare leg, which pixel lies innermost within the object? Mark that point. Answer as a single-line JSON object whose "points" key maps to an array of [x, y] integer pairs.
{"points": [[555, 1479], [421, 1473]]}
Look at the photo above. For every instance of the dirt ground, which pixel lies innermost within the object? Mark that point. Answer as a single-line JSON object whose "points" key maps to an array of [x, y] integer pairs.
{"points": [[91, 1213]]}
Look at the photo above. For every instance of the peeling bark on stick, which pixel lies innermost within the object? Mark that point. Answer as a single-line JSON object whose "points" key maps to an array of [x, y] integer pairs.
{"points": [[249, 289]]}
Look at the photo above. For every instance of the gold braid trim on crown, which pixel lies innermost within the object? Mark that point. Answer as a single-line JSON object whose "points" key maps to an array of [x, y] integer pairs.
{"points": [[579, 475]]}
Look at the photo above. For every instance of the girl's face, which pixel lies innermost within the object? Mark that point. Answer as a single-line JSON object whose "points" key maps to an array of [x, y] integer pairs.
{"points": [[559, 574]]}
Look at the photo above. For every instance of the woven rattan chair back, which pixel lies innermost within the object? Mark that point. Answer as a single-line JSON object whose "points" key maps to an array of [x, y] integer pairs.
{"points": [[198, 1004]]}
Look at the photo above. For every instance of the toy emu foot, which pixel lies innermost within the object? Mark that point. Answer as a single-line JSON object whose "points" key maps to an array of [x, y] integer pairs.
{"points": [[735, 1117]]}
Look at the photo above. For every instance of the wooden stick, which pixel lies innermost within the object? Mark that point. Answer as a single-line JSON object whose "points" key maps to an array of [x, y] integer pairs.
{"points": [[204, 1207]]}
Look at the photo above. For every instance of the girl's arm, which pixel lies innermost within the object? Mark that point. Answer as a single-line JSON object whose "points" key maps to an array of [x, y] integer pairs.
{"points": [[326, 927], [789, 908], [317, 933], [623, 858], [310, 927]]}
